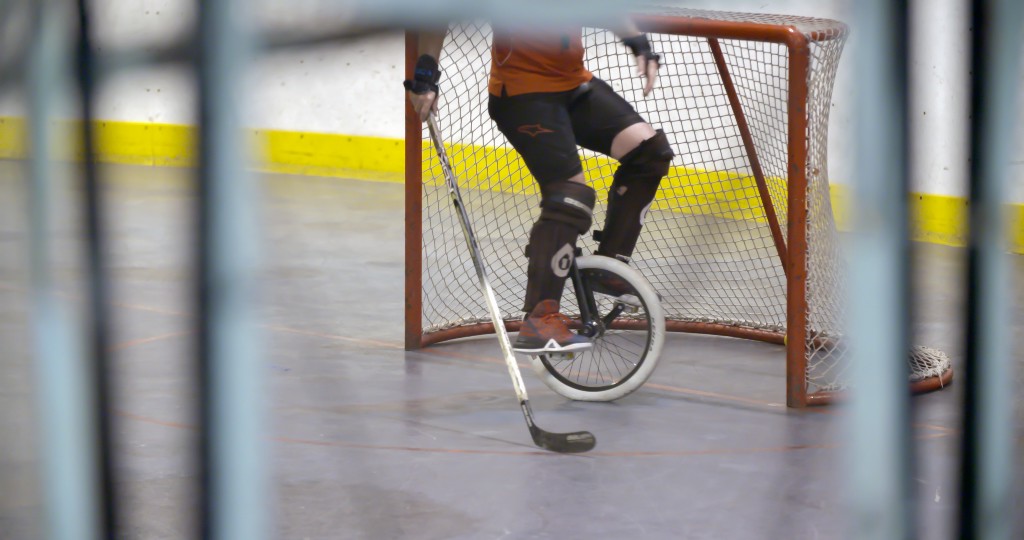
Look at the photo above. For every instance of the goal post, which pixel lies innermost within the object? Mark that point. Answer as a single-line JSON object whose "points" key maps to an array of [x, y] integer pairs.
{"points": [[741, 240]]}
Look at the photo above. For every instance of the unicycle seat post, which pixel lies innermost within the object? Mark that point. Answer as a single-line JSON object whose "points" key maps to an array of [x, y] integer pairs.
{"points": [[584, 299]]}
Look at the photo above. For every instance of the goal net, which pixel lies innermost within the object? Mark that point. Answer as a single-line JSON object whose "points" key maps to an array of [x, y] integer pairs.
{"points": [[741, 239]]}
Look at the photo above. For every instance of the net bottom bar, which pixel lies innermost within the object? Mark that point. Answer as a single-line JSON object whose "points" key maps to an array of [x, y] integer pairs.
{"points": [[726, 330], [470, 330], [819, 398], [923, 386]]}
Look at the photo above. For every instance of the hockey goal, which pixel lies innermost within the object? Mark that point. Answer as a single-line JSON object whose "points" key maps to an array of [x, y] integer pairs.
{"points": [[741, 240]]}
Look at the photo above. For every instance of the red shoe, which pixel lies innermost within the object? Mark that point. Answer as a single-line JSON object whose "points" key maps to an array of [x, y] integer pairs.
{"points": [[545, 330], [615, 287]]}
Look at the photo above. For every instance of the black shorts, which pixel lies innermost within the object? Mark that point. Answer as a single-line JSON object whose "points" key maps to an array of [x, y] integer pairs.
{"points": [[546, 127]]}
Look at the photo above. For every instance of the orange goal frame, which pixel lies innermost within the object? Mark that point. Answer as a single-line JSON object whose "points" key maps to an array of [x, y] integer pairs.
{"points": [[791, 246]]}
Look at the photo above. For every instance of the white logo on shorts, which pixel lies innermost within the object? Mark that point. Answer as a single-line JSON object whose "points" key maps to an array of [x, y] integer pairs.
{"points": [[562, 261]]}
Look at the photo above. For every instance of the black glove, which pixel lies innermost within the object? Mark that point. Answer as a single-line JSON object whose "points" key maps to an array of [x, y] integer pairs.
{"points": [[640, 46], [426, 76]]}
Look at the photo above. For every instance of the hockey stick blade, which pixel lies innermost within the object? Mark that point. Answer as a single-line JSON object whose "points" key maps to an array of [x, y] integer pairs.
{"points": [[563, 443]]}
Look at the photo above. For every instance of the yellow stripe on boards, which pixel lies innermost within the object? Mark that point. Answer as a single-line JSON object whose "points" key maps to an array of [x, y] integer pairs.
{"points": [[1017, 228], [841, 201], [324, 154], [164, 145], [723, 194], [132, 143], [936, 218], [13, 142], [939, 219]]}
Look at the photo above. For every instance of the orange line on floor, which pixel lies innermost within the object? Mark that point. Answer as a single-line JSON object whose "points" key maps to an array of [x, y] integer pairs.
{"points": [[715, 395], [148, 420], [364, 446], [151, 309], [336, 337], [152, 339], [526, 366], [422, 449], [598, 453], [943, 431], [717, 451], [279, 328], [469, 357], [668, 388]]}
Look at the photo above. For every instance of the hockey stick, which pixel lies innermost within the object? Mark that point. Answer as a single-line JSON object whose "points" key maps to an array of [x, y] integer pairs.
{"points": [[580, 441]]}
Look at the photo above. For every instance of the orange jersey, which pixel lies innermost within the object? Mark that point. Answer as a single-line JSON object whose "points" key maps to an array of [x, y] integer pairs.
{"points": [[524, 63]]}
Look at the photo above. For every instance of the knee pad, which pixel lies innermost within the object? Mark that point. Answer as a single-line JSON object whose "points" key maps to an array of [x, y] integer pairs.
{"points": [[571, 203], [648, 163], [631, 194], [566, 212]]}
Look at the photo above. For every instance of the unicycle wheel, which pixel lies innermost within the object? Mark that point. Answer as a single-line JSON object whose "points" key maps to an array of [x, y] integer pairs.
{"points": [[628, 332]]}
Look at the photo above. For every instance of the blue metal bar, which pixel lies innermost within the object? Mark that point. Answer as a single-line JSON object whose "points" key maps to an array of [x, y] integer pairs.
{"points": [[100, 351], [523, 13], [988, 444], [65, 393], [356, 19], [878, 417], [234, 469]]}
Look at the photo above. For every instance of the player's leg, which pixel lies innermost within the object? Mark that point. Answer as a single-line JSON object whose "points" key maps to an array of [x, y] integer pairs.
{"points": [[632, 192], [607, 123], [539, 128]]}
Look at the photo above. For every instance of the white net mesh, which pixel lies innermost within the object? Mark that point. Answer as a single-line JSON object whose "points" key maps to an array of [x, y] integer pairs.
{"points": [[707, 245]]}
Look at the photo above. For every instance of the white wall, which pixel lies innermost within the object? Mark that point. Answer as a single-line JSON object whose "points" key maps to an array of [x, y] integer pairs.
{"points": [[1017, 154], [354, 88], [939, 95]]}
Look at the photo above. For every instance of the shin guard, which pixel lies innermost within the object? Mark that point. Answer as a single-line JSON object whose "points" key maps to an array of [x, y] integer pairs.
{"points": [[631, 194], [566, 212]]}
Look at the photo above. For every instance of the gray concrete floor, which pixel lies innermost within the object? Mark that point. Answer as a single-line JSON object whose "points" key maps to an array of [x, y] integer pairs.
{"points": [[370, 441]]}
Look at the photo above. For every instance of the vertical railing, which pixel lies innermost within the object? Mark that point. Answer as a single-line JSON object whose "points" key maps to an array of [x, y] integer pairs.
{"points": [[879, 453], [988, 454], [100, 350], [234, 473], [72, 490]]}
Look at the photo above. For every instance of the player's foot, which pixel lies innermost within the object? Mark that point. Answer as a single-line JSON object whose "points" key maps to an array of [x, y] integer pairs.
{"points": [[611, 285], [614, 286], [545, 330]]}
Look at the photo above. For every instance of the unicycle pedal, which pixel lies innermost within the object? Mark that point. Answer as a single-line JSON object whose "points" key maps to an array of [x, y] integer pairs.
{"points": [[631, 308], [561, 356]]}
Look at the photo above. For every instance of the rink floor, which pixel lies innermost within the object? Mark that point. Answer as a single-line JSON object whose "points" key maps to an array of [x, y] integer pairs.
{"points": [[371, 441]]}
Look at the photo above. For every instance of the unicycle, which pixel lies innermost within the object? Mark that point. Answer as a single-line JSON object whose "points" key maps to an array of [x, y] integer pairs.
{"points": [[627, 329]]}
